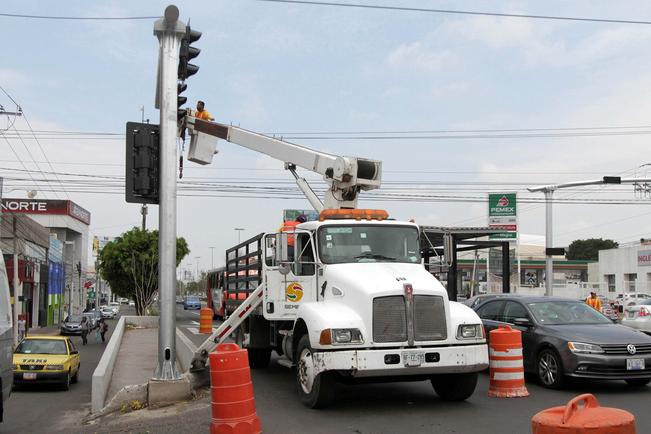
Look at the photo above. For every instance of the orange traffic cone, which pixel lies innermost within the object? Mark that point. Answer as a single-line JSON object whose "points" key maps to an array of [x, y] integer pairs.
{"points": [[205, 320], [506, 364], [233, 404]]}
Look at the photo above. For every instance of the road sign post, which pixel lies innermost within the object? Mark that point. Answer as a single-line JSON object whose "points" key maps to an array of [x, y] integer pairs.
{"points": [[169, 31]]}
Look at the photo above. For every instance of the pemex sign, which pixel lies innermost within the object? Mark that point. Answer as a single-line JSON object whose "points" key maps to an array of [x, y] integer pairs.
{"points": [[502, 214]]}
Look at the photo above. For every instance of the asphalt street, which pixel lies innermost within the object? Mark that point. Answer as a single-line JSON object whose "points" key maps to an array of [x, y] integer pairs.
{"points": [[48, 408], [378, 408]]}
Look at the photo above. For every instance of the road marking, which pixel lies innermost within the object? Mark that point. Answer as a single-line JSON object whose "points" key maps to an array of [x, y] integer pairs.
{"points": [[195, 322], [193, 330]]}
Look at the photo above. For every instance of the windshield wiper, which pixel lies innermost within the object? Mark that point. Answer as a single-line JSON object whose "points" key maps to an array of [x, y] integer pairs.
{"points": [[369, 255]]}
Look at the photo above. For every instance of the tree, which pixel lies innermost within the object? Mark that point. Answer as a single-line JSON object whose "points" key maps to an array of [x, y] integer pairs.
{"points": [[130, 265], [589, 249]]}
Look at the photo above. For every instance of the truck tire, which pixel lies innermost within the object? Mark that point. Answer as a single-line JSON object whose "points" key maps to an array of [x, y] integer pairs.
{"points": [[315, 391], [259, 357], [455, 387]]}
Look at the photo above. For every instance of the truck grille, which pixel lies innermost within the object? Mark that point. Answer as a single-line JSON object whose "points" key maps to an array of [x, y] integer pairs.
{"points": [[390, 319], [429, 318]]}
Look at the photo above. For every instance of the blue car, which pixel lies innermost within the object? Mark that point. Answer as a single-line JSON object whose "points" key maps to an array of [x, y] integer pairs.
{"points": [[191, 303]]}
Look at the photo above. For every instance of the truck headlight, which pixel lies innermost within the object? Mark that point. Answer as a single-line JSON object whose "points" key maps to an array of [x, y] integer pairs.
{"points": [[54, 367], [470, 331], [580, 347], [341, 336]]}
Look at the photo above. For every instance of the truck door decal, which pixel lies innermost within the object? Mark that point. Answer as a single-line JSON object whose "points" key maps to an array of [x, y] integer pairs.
{"points": [[294, 292]]}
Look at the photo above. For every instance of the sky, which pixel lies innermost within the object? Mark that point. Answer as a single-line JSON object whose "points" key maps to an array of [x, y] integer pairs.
{"points": [[293, 70]]}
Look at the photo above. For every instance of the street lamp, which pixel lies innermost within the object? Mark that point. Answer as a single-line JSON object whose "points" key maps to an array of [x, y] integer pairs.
{"points": [[212, 258], [549, 190], [197, 258], [239, 232]]}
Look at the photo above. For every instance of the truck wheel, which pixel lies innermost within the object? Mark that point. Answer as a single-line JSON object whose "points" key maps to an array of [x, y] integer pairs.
{"points": [[455, 387], [316, 391], [259, 357]]}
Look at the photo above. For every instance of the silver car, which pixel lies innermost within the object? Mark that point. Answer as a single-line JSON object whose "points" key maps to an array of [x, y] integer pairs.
{"points": [[638, 316]]}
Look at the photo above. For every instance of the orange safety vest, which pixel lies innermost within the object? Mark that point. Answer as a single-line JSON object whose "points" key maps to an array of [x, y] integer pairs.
{"points": [[595, 303], [289, 226]]}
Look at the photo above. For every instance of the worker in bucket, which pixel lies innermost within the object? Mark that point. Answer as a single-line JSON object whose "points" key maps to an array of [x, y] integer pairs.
{"points": [[202, 113]]}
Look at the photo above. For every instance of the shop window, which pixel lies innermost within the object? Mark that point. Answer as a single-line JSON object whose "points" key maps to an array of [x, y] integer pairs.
{"points": [[610, 281]]}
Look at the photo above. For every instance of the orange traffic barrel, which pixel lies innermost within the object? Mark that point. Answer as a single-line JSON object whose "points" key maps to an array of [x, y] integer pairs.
{"points": [[205, 320], [588, 419], [233, 404], [506, 364]]}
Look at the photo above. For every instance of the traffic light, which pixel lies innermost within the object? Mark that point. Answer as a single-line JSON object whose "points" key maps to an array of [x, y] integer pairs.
{"points": [[186, 69], [142, 163], [187, 53]]}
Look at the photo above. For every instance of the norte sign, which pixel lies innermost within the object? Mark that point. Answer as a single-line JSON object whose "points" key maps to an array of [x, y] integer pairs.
{"points": [[502, 214]]}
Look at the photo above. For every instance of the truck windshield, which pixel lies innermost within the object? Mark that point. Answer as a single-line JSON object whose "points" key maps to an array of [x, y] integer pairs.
{"points": [[368, 243]]}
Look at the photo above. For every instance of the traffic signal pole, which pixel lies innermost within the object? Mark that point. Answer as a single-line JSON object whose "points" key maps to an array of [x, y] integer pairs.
{"points": [[169, 31]]}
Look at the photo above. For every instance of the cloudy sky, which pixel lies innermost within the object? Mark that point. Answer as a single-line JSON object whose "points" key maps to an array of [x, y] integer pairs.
{"points": [[293, 70]]}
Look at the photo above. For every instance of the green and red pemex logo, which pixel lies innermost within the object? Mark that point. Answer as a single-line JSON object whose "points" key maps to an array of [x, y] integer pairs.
{"points": [[502, 204]]}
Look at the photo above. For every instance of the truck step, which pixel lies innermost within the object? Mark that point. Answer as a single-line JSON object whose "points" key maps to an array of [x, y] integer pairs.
{"points": [[284, 361]]}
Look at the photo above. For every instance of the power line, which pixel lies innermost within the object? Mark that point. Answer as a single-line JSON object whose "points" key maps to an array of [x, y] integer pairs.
{"points": [[459, 12], [61, 17]]}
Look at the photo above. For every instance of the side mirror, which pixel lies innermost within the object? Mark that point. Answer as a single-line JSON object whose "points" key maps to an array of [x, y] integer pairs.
{"points": [[281, 254], [74, 352], [522, 322], [284, 268]]}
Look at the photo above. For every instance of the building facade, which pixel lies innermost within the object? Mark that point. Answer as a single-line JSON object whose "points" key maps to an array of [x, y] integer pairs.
{"points": [[624, 269]]}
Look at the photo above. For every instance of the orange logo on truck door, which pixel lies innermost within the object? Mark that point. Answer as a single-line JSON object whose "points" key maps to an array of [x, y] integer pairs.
{"points": [[294, 292]]}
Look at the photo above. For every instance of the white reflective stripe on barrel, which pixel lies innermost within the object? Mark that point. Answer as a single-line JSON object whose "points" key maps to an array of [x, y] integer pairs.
{"points": [[510, 353], [506, 363], [508, 376]]}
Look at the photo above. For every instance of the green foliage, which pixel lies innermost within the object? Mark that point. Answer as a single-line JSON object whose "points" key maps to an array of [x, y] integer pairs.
{"points": [[589, 249], [130, 265]]}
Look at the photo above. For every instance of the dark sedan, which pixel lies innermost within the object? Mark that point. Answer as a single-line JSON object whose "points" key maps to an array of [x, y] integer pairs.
{"points": [[71, 325], [567, 338]]}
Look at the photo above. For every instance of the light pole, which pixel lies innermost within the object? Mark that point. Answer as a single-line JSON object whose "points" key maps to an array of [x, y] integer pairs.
{"points": [[239, 232], [212, 257], [549, 190], [197, 275]]}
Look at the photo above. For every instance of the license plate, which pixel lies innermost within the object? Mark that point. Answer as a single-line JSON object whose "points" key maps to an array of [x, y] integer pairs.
{"points": [[634, 364], [413, 358], [29, 376]]}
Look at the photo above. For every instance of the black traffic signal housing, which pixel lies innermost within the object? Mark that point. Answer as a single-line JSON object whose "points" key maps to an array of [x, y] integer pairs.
{"points": [[142, 163], [186, 69]]}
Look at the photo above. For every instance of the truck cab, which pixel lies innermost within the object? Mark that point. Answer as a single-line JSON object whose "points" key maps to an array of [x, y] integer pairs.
{"points": [[349, 298]]}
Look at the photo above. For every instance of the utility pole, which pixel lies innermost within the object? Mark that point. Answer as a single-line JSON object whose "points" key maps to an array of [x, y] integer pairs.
{"points": [[239, 232], [197, 258], [17, 293], [169, 31], [212, 258], [143, 211]]}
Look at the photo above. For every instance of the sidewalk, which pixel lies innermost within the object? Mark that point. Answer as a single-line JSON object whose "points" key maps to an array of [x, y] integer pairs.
{"points": [[47, 331], [136, 361]]}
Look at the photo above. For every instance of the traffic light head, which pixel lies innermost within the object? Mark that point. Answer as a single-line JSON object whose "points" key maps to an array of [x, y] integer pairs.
{"points": [[187, 53]]}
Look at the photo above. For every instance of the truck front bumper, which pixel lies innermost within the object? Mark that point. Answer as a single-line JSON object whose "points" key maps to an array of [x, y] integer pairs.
{"points": [[395, 362]]}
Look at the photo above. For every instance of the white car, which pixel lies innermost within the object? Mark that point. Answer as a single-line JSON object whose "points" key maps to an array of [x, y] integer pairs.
{"points": [[115, 306], [107, 312], [638, 316], [632, 298]]}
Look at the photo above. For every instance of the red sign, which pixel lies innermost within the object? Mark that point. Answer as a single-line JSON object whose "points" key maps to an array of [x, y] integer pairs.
{"points": [[51, 207]]}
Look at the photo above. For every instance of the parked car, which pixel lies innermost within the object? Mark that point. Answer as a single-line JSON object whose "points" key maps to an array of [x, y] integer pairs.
{"points": [[93, 317], [567, 338], [476, 300], [632, 298], [638, 316], [71, 325], [46, 359], [131, 303], [123, 300], [107, 312], [191, 303], [115, 306]]}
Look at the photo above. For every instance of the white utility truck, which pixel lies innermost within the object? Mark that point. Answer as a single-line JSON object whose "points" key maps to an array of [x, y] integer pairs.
{"points": [[345, 298]]}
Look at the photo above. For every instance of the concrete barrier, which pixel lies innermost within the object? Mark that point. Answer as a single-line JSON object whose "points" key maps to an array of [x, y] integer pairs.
{"points": [[185, 350], [104, 370]]}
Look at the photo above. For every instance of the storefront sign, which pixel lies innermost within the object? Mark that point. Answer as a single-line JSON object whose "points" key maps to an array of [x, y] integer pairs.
{"points": [[49, 207], [644, 258], [502, 214]]}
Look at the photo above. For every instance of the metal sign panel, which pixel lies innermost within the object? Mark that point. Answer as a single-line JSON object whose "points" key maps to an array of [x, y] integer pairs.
{"points": [[644, 258], [502, 214]]}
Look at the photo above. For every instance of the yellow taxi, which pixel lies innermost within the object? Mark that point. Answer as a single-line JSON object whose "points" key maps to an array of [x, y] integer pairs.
{"points": [[46, 359]]}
